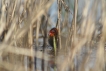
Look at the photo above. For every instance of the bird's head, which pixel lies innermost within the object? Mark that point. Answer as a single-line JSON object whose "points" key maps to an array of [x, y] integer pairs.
{"points": [[53, 32]]}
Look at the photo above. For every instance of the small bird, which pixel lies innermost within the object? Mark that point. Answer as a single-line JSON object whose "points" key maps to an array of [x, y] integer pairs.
{"points": [[53, 34], [53, 38]]}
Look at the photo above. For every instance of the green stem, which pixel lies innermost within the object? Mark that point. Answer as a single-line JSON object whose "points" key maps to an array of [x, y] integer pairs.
{"points": [[54, 43]]}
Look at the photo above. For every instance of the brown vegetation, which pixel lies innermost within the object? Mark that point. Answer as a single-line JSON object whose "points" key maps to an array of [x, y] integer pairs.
{"points": [[24, 23]]}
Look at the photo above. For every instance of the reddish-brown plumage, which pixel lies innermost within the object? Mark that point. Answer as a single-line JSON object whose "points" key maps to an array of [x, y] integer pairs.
{"points": [[53, 32]]}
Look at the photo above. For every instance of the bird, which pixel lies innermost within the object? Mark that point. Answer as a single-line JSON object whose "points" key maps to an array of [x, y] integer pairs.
{"points": [[60, 53], [53, 34], [49, 49]]}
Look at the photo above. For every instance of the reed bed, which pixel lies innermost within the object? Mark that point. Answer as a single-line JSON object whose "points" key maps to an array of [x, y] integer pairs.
{"points": [[24, 27]]}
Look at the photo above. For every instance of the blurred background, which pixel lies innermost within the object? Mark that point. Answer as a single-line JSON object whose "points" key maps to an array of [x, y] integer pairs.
{"points": [[24, 33]]}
